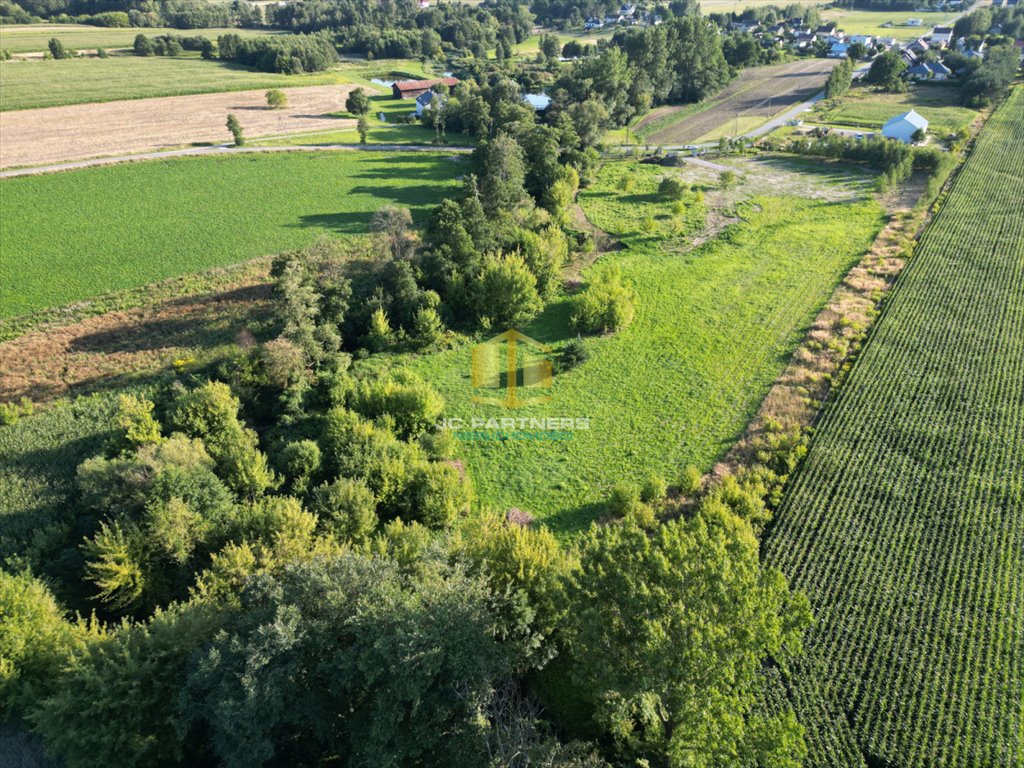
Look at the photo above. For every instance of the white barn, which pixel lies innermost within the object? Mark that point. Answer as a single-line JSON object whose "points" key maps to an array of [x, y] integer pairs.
{"points": [[903, 127]]}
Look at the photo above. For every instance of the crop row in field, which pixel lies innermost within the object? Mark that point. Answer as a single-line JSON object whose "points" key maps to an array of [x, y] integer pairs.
{"points": [[714, 328], [68, 239], [906, 525]]}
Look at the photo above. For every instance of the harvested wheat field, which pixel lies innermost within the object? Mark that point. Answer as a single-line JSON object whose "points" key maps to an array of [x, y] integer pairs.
{"points": [[757, 92], [56, 134]]}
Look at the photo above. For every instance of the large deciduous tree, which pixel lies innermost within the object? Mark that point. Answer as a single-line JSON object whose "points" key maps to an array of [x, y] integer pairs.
{"points": [[669, 628]]}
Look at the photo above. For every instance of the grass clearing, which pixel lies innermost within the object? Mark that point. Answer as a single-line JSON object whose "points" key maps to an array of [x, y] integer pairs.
{"points": [[870, 22], [863, 107], [27, 38], [735, 127], [382, 131], [714, 328], [67, 239]]}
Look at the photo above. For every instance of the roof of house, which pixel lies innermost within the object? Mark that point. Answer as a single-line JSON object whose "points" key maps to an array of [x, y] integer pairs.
{"points": [[425, 98], [419, 85], [918, 70], [910, 117], [939, 68]]}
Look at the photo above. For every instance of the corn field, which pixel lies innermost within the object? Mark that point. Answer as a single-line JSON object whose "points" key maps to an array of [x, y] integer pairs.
{"points": [[905, 526]]}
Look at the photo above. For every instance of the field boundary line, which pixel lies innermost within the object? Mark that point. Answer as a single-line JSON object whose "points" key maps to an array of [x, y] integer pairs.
{"points": [[227, 149]]}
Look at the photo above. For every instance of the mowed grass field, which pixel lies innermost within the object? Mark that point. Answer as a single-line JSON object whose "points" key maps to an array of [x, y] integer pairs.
{"points": [[714, 328], [905, 526], [863, 107], [384, 128], [38, 83], [870, 22], [26, 38], [72, 236]]}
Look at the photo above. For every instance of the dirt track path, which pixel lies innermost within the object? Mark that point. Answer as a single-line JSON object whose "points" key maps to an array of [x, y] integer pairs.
{"points": [[61, 134]]}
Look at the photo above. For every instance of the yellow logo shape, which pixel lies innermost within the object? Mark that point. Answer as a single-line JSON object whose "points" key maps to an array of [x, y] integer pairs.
{"points": [[515, 363]]}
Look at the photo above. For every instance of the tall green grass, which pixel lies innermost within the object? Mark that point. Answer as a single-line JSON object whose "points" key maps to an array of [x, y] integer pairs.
{"points": [[714, 328]]}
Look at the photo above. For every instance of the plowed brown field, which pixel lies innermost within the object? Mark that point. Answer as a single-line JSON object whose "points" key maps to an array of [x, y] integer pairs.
{"points": [[56, 134], [757, 92]]}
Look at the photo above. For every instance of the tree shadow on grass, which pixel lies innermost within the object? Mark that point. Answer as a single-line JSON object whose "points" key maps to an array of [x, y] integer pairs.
{"points": [[341, 223], [575, 519]]}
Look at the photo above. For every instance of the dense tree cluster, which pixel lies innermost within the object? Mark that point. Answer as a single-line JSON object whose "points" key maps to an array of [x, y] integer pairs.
{"points": [[179, 14], [895, 159], [291, 55], [989, 79], [314, 635], [839, 79]]}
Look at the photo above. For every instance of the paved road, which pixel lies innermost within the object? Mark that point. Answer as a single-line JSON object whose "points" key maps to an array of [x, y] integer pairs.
{"points": [[226, 149]]}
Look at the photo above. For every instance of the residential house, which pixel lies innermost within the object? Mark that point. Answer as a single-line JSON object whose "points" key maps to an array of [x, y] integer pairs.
{"points": [[426, 99], [942, 36], [903, 127], [865, 40], [914, 22], [805, 40], [838, 50]]}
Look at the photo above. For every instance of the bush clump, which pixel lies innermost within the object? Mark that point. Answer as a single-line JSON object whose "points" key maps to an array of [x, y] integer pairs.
{"points": [[606, 305]]}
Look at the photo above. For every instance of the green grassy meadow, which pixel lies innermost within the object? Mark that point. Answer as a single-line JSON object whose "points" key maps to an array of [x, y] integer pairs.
{"points": [[870, 22], [70, 237], [31, 84], [39, 83], [714, 328], [864, 107], [26, 38], [386, 131]]}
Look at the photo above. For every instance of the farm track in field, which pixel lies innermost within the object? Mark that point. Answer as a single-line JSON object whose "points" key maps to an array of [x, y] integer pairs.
{"points": [[748, 95], [905, 526], [62, 134]]}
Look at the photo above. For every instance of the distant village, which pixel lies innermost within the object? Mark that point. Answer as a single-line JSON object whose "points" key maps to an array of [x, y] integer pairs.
{"points": [[828, 40]]}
